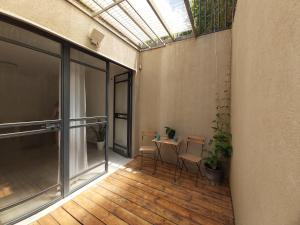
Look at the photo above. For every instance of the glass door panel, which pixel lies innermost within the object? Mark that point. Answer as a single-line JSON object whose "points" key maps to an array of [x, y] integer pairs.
{"points": [[87, 118], [29, 123], [122, 114]]}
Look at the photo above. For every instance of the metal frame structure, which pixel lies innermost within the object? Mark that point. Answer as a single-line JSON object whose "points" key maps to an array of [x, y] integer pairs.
{"points": [[127, 116], [139, 43], [153, 7], [62, 124], [190, 14]]}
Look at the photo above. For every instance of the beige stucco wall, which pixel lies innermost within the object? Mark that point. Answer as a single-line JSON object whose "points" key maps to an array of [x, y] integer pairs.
{"points": [[177, 85], [64, 19], [265, 176]]}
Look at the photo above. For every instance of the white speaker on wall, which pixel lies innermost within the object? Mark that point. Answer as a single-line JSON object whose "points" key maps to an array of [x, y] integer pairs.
{"points": [[96, 37]]}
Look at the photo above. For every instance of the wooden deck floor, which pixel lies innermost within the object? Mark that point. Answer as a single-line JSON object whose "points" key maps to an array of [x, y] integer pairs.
{"points": [[131, 196]]}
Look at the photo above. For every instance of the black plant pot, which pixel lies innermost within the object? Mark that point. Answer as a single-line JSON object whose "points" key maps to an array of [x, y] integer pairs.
{"points": [[215, 176], [171, 134]]}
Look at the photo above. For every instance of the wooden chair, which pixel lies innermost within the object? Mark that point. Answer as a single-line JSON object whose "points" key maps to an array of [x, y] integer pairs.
{"points": [[192, 158], [147, 149]]}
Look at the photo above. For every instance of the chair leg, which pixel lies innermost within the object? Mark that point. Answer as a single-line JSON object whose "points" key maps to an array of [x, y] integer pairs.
{"points": [[199, 168], [155, 162], [185, 166], [198, 173], [177, 167], [181, 168], [142, 160]]}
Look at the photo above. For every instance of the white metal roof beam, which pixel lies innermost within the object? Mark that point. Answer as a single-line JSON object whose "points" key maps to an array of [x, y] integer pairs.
{"points": [[153, 7], [145, 23], [189, 11], [117, 2], [136, 23], [109, 28], [137, 37], [109, 7]]}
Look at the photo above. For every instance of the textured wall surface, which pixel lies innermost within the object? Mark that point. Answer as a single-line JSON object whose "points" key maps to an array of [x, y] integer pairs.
{"points": [[177, 85], [66, 20], [265, 176]]}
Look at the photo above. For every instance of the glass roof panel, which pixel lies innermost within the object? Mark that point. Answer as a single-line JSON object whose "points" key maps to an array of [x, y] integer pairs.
{"points": [[138, 21], [120, 16], [91, 5], [127, 8], [143, 8], [174, 14], [104, 3], [110, 20]]}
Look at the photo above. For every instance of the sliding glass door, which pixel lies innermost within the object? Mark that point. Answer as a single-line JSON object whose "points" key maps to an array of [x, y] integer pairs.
{"points": [[53, 120], [122, 114], [30, 122], [88, 119]]}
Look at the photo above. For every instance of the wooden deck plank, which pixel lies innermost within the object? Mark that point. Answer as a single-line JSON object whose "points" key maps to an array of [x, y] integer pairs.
{"points": [[164, 203], [123, 213], [63, 218], [146, 203], [188, 205], [181, 192], [138, 210], [138, 197], [83, 216], [35, 223], [47, 220], [99, 212], [186, 184]]}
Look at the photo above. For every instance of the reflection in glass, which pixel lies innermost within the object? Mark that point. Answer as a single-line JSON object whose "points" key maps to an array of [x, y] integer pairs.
{"points": [[121, 90], [29, 91], [29, 84], [87, 99], [28, 165], [121, 132]]}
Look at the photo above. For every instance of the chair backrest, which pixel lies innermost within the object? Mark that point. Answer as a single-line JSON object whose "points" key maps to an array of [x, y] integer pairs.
{"points": [[197, 140], [149, 135]]}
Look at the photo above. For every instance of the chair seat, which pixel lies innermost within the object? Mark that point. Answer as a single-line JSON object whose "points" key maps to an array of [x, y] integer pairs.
{"points": [[190, 157], [147, 149]]}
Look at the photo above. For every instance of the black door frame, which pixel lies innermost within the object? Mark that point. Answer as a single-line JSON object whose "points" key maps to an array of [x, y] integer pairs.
{"points": [[66, 45], [127, 117]]}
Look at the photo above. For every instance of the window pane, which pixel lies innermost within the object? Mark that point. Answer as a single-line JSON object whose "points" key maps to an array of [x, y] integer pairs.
{"points": [[29, 84], [28, 165], [87, 99], [86, 153]]}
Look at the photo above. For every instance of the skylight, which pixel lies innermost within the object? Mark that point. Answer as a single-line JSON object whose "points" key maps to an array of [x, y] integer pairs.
{"points": [[175, 15], [150, 23], [146, 23]]}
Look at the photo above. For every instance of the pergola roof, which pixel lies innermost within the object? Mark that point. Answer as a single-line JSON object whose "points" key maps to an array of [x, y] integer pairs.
{"points": [[145, 23]]}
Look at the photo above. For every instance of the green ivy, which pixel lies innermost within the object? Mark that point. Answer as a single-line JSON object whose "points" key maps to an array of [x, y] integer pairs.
{"points": [[212, 15]]}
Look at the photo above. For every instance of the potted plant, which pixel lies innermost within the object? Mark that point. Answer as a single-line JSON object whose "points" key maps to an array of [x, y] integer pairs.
{"points": [[170, 132], [100, 136], [217, 162]]}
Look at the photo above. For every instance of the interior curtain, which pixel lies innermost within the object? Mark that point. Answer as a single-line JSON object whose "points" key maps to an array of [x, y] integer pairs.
{"points": [[78, 143]]}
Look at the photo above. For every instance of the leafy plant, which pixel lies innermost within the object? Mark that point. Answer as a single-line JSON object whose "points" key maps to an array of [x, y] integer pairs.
{"points": [[100, 132], [221, 141], [170, 132], [212, 15]]}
